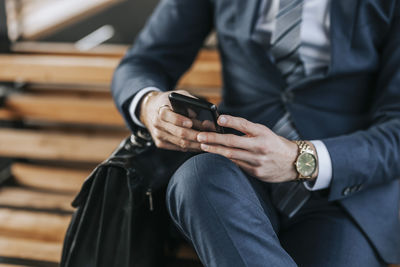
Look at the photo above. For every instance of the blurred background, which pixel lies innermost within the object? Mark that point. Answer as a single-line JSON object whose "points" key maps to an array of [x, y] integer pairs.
{"points": [[57, 118], [71, 20]]}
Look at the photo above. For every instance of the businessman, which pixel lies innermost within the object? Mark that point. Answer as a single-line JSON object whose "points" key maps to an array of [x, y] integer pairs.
{"points": [[309, 176]]}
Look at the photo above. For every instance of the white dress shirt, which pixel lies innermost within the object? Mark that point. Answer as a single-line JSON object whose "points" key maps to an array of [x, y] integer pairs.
{"points": [[314, 52]]}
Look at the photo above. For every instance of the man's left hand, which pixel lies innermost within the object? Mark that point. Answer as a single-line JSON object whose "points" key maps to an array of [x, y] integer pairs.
{"points": [[260, 152]]}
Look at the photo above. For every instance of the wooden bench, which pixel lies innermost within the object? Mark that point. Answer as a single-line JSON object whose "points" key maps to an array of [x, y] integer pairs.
{"points": [[57, 128]]}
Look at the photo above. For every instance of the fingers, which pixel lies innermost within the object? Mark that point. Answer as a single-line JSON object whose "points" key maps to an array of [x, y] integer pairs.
{"points": [[164, 139], [182, 137], [180, 132], [177, 125], [168, 129], [174, 129], [170, 146], [228, 140], [231, 153], [241, 125], [184, 145], [167, 115]]}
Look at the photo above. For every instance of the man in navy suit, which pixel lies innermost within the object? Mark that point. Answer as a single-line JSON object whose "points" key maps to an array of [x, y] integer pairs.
{"points": [[325, 73]]}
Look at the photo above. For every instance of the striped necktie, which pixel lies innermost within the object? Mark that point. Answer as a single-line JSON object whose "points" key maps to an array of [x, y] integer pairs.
{"points": [[289, 197], [286, 40]]}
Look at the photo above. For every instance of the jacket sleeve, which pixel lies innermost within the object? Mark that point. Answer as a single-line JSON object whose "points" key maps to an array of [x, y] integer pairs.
{"points": [[163, 51], [372, 156]]}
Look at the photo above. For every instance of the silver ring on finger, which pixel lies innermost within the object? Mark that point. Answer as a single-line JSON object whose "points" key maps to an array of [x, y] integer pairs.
{"points": [[163, 106]]}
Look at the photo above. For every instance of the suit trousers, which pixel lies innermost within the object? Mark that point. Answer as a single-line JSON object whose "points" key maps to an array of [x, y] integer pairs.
{"points": [[230, 220]]}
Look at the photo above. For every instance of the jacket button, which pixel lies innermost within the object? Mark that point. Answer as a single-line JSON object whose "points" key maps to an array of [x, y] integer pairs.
{"points": [[359, 187], [346, 191], [354, 189]]}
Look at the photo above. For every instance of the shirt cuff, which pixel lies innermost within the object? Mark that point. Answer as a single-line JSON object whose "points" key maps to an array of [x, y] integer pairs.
{"points": [[135, 101], [324, 178]]}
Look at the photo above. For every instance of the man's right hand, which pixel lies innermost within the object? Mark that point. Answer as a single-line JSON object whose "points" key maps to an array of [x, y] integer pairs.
{"points": [[169, 130]]}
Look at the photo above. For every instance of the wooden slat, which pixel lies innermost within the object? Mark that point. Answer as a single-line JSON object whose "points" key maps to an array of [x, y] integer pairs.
{"points": [[33, 225], [41, 18], [59, 69], [30, 249], [84, 109], [104, 50], [11, 265], [56, 146], [25, 198], [186, 252], [112, 50], [49, 178], [64, 109]]}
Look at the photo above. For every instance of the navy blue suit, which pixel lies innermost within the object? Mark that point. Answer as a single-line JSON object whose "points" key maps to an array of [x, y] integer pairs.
{"points": [[354, 107]]}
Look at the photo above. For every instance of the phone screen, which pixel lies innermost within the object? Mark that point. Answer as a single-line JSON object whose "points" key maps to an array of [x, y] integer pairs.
{"points": [[203, 119]]}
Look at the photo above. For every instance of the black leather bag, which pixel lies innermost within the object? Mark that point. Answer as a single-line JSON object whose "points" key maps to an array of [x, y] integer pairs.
{"points": [[121, 219]]}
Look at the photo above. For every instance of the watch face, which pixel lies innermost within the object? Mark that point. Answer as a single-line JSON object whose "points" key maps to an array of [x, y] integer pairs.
{"points": [[306, 164]]}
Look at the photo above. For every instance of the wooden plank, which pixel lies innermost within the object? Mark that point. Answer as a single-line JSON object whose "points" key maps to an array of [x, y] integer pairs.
{"points": [[64, 109], [25, 198], [12, 265], [41, 18], [30, 249], [103, 50], [49, 178], [208, 55], [33, 225], [74, 108], [58, 69], [80, 91], [186, 252], [56, 146]]}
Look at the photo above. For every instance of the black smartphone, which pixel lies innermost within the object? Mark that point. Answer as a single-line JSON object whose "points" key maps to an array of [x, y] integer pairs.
{"points": [[203, 113]]}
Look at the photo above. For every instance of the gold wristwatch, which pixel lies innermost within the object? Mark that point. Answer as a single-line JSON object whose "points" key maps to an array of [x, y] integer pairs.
{"points": [[306, 162]]}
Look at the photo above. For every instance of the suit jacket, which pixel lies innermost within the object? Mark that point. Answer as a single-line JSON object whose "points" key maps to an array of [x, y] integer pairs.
{"points": [[354, 107]]}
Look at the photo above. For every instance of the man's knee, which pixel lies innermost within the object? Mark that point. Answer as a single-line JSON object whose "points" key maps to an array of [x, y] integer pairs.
{"points": [[204, 174], [197, 176], [210, 178]]}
